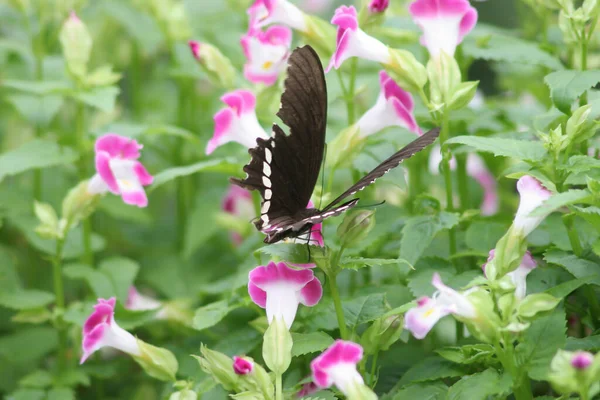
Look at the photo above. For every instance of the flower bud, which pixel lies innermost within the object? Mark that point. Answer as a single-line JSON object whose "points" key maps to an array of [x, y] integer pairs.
{"points": [[185, 394], [49, 224], [579, 128], [277, 346], [355, 227], [242, 365], [344, 147], [445, 78], [77, 45], [574, 372], [218, 365], [159, 363], [536, 303], [406, 70], [219, 69], [79, 204], [462, 95], [382, 334]]}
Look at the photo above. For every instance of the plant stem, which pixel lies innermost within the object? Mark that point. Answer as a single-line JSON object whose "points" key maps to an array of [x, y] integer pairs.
{"points": [[337, 302], [278, 387], [568, 220], [88, 255], [351, 94], [374, 367], [584, 50], [444, 135], [59, 292], [345, 94], [463, 182]]}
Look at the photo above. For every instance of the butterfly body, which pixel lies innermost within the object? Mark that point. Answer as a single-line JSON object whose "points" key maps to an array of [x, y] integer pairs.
{"points": [[285, 168]]}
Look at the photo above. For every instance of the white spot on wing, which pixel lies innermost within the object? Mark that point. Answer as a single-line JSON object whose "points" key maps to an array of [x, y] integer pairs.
{"points": [[266, 181], [265, 207], [266, 169], [265, 219], [268, 194], [268, 155]]}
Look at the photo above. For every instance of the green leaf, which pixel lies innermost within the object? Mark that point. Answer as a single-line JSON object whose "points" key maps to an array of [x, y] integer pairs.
{"points": [[469, 354], [26, 299], [536, 303], [566, 288], [578, 267], [559, 200], [292, 253], [61, 394], [419, 281], [305, 343], [590, 343], [37, 87], [121, 272], [483, 235], [37, 110], [211, 314], [39, 379], [578, 164], [225, 166], [431, 369], [419, 232], [360, 262], [509, 49], [102, 98], [28, 345], [35, 154], [519, 149], [423, 391], [28, 394], [480, 385], [566, 86], [98, 281], [540, 342], [364, 309]]}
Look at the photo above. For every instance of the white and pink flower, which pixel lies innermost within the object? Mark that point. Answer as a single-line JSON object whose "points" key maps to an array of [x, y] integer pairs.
{"points": [[100, 330], [378, 6], [266, 53], [444, 23], [353, 41], [238, 202], [236, 123], [280, 289], [337, 366], [519, 275], [533, 194], [139, 302], [394, 107], [582, 360], [118, 170], [429, 310], [242, 365], [266, 12]]}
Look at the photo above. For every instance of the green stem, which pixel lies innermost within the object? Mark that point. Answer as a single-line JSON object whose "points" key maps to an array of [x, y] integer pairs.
{"points": [[88, 255], [337, 303], [374, 367], [278, 387], [351, 93], [444, 135], [414, 178], [568, 221], [463, 181], [584, 50], [345, 94], [59, 293], [594, 304]]}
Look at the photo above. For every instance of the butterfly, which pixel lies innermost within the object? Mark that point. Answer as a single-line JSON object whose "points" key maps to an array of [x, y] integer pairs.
{"points": [[285, 168]]}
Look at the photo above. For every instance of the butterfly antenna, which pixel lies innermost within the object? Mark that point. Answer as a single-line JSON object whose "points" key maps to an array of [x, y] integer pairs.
{"points": [[370, 205], [323, 176]]}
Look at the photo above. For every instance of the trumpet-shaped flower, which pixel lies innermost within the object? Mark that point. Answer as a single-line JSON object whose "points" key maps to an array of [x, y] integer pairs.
{"points": [[444, 23], [337, 366], [242, 365], [353, 41], [378, 6], [238, 203], [429, 310], [139, 302], [533, 194], [101, 330], [119, 171], [266, 53], [519, 275], [267, 12], [279, 289], [237, 122], [394, 107]]}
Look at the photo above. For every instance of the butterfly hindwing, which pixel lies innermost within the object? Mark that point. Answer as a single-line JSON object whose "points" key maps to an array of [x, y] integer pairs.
{"points": [[392, 162], [285, 168]]}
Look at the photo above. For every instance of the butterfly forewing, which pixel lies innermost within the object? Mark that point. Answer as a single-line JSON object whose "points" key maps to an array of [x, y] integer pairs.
{"points": [[383, 168], [285, 168]]}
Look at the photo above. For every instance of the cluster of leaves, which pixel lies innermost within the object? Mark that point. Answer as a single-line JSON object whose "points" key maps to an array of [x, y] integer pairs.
{"points": [[539, 120]]}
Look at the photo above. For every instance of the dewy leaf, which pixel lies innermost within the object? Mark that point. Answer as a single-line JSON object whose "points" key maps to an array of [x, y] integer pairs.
{"points": [[541, 341], [510, 49], [566, 86], [211, 314], [35, 154], [480, 385], [226, 166], [305, 343], [364, 309], [559, 200], [578, 267], [519, 149], [431, 369]]}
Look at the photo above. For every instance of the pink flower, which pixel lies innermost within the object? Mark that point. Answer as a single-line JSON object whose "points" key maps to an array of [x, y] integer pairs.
{"points": [[266, 53], [266, 12], [420, 319], [307, 389], [118, 171], [444, 23], [378, 6], [238, 202], [237, 122], [353, 41], [316, 6], [519, 275], [139, 302], [280, 289], [195, 48], [242, 365], [337, 366], [101, 330], [533, 194], [394, 107], [582, 360]]}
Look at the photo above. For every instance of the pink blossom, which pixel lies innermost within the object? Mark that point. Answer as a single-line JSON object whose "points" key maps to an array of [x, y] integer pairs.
{"points": [[444, 23], [394, 107], [118, 171], [353, 41], [237, 122], [519, 275], [242, 365], [101, 330], [139, 302], [582, 360], [238, 202], [195, 48], [266, 12], [532, 194], [378, 6], [266, 53], [280, 289], [337, 366], [307, 389]]}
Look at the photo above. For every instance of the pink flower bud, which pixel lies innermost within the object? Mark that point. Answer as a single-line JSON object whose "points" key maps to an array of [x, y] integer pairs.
{"points": [[242, 366]]}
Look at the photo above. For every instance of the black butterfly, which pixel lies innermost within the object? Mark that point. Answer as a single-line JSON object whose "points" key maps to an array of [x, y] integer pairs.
{"points": [[285, 168]]}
